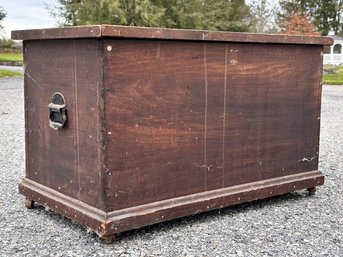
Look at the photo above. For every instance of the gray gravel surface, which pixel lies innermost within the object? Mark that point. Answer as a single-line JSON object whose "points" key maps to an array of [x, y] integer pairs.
{"points": [[290, 225]]}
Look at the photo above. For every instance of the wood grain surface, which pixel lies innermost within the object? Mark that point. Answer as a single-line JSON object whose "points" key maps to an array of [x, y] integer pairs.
{"points": [[68, 160], [184, 118], [159, 129]]}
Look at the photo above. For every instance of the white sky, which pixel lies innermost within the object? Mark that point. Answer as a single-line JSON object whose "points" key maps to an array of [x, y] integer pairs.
{"points": [[26, 14]]}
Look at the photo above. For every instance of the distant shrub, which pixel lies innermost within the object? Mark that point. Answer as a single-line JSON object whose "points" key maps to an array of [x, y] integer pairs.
{"points": [[9, 46], [6, 43], [330, 69]]}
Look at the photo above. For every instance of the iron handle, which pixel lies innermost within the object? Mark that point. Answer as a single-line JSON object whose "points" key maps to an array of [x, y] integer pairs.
{"points": [[57, 112]]}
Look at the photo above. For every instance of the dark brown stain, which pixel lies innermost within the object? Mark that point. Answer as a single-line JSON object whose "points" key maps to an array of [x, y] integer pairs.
{"points": [[166, 119], [159, 129], [67, 160]]}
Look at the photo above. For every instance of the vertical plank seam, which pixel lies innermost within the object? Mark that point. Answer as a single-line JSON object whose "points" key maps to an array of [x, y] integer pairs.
{"points": [[26, 112], [298, 118], [102, 98], [77, 146], [319, 105], [205, 115], [224, 115], [318, 115]]}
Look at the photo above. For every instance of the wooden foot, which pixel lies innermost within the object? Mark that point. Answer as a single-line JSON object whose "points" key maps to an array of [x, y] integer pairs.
{"points": [[311, 191], [109, 239], [29, 203]]}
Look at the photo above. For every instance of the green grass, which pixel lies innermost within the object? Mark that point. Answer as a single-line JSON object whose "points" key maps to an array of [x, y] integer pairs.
{"points": [[8, 73], [334, 79], [11, 57]]}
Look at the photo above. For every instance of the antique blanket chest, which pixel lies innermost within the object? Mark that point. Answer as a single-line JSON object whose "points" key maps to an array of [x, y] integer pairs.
{"points": [[129, 126]]}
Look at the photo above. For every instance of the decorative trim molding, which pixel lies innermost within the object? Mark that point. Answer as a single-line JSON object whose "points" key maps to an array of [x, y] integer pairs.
{"points": [[147, 214]]}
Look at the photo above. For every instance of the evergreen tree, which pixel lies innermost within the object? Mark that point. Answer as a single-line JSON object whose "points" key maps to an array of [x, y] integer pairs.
{"points": [[227, 15], [121, 12], [183, 13]]}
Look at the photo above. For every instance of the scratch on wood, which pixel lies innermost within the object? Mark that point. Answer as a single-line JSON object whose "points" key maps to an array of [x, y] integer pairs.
{"points": [[224, 115], [34, 81], [77, 144], [205, 116], [307, 159], [62, 187], [208, 168]]}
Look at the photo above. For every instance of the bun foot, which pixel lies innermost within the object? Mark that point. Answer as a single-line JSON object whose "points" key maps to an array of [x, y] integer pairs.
{"points": [[311, 191], [109, 239], [29, 203]]}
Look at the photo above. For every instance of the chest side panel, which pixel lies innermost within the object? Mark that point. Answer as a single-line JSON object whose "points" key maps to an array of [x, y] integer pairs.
{"points": [[66, 160]]}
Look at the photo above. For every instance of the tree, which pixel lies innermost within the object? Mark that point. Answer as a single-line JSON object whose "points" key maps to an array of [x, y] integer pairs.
{"points": [[262, 16], [133, 12], [325, 15], [2, 15], [67, 13], [224, 15], [197, 14], [183, 13], [299, 24], [210, 14], [119, 12]]}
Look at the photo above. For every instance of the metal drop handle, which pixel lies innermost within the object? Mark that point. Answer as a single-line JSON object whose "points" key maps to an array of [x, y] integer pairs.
{"points": [[57, 112]]}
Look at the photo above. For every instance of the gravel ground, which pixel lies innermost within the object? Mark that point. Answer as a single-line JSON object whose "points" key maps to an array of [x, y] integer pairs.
{"points": [[290, 225]]}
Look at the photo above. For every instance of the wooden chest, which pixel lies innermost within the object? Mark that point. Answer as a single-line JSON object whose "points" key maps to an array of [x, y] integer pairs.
{"points": [[128, 126]]}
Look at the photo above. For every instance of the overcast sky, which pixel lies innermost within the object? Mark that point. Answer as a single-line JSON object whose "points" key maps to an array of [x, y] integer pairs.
{"points": [[27, 14]]}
